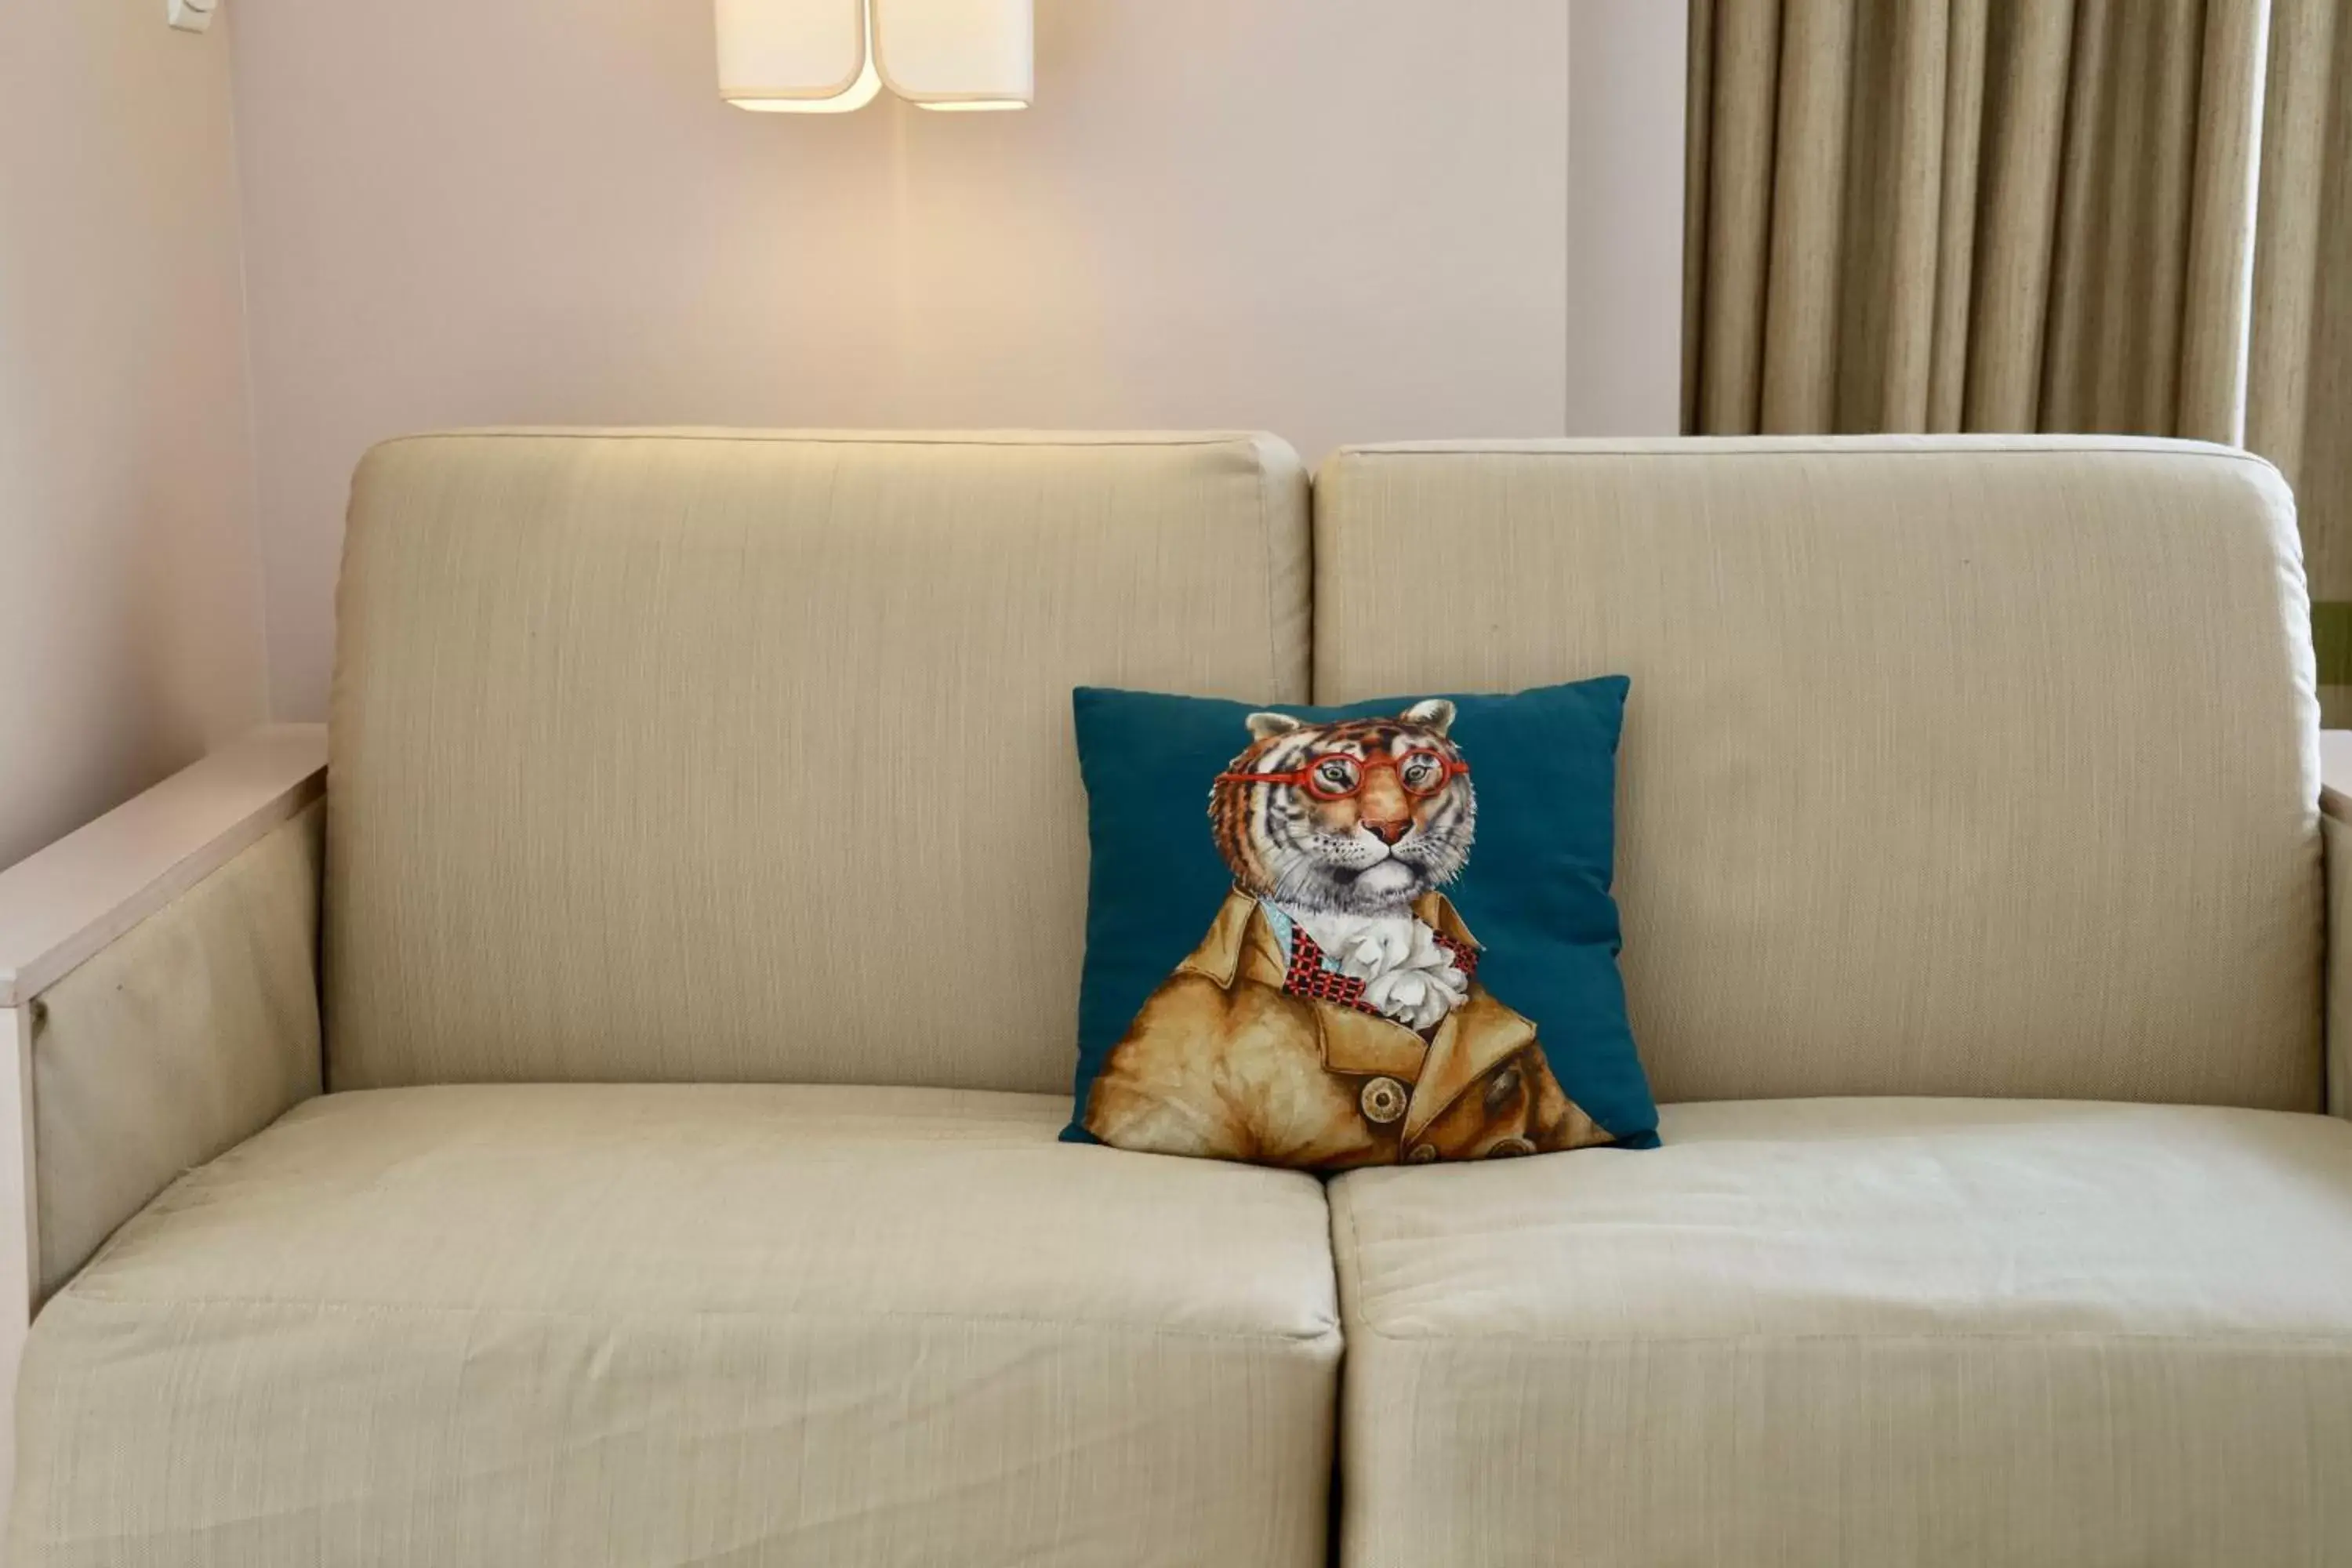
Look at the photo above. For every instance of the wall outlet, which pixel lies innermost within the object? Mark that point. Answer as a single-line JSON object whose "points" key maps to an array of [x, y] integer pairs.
{"points": [[191, 16]]}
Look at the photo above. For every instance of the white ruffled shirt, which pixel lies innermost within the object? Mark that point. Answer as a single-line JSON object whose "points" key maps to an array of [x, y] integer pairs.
{"points": [[1408, 974]]}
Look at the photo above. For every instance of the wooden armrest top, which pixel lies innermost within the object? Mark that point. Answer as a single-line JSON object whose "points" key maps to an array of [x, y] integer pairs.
{"points": [[69, 900]]}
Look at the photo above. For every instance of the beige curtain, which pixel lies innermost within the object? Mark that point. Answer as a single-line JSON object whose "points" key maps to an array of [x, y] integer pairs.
{"points": [[2034, 214]]}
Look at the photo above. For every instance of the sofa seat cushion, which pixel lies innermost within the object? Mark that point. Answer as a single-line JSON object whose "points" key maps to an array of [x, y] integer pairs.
{"points": [[587, 1325], [1860, 1331]]}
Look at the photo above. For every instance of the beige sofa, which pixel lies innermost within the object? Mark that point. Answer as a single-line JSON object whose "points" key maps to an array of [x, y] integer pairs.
{"points": [[684, 905]]}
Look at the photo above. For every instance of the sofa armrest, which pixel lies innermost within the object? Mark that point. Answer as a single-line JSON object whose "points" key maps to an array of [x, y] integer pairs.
{"points": [[159, 989], [158, 979], [2336, 833], [61, 906]]}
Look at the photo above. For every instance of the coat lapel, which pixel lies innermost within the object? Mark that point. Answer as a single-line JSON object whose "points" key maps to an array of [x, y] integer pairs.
{"points": [[1471, 1042], [1365, 1043], [1239, 925]]}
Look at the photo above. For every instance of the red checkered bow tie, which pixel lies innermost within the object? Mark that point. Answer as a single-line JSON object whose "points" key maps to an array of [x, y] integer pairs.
{"points": [[1308, 976]]}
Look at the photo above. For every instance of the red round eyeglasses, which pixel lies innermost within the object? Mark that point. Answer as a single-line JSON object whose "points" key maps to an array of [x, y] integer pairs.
{"points": [[1335, 775]]}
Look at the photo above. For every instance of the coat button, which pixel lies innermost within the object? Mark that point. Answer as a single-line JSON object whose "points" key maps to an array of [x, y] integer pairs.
{"points": [[1510, 1148], [1421, 1154], [1383, 1100]]}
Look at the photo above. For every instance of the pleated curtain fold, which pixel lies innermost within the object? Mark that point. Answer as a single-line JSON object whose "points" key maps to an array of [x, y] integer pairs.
{"points": [[2128, 215]]}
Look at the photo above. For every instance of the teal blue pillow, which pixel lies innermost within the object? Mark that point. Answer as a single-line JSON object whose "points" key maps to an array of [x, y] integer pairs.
{"points": [[1388, 940]]}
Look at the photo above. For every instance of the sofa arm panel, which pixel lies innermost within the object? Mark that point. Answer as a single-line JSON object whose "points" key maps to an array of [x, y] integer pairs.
{"points": [[179, 1040], [161, 967], [2335, 832]]}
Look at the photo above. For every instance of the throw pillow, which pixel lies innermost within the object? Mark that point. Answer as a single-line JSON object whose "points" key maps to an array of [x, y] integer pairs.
{"points": [[1323, 973]]}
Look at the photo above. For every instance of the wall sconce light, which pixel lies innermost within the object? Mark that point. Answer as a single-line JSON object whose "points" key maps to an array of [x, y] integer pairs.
{"points": [[829, 56]]}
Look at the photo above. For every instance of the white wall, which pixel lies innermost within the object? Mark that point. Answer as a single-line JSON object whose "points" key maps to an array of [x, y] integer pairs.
{"points": [[1628, 66], [130, 630], [1338, 219]]}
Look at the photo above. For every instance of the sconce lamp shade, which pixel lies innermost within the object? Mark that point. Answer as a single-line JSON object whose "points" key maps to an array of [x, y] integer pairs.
{"points": [[812, 57], [957, 54], [828, 57]]}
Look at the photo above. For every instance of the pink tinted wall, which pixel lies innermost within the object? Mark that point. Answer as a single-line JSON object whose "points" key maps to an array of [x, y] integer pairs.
{"points": [[130, 634], [1341, 220]]}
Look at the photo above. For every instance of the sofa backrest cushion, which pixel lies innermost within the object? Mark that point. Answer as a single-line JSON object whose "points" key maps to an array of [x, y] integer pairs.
{"points": [[1967, 766], [664, 756]]}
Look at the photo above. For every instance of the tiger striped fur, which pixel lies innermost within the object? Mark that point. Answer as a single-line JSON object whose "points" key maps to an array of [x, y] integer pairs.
{"points": [[1370, 854]]}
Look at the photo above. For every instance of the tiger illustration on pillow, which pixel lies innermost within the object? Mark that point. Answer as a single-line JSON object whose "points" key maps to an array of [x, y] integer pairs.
{"points": [[1332, 1016]]}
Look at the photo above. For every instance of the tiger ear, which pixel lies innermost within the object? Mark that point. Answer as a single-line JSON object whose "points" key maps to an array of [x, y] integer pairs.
{"points": [[1266, 726], [1436, 713]]}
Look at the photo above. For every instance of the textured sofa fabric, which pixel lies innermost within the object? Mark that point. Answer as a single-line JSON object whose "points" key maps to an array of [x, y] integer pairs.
{"points": [[2337, 831], [711, 756], [1977, 766], [1936, 1332], [191, 1033], [589, 1325]]}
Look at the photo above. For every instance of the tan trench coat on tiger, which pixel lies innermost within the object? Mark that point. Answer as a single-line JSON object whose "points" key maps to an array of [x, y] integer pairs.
{"points": [[1223, 1062]]}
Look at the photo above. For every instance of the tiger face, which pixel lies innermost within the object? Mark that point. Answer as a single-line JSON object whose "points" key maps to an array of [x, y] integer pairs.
{"points": [[1359, 817]]}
